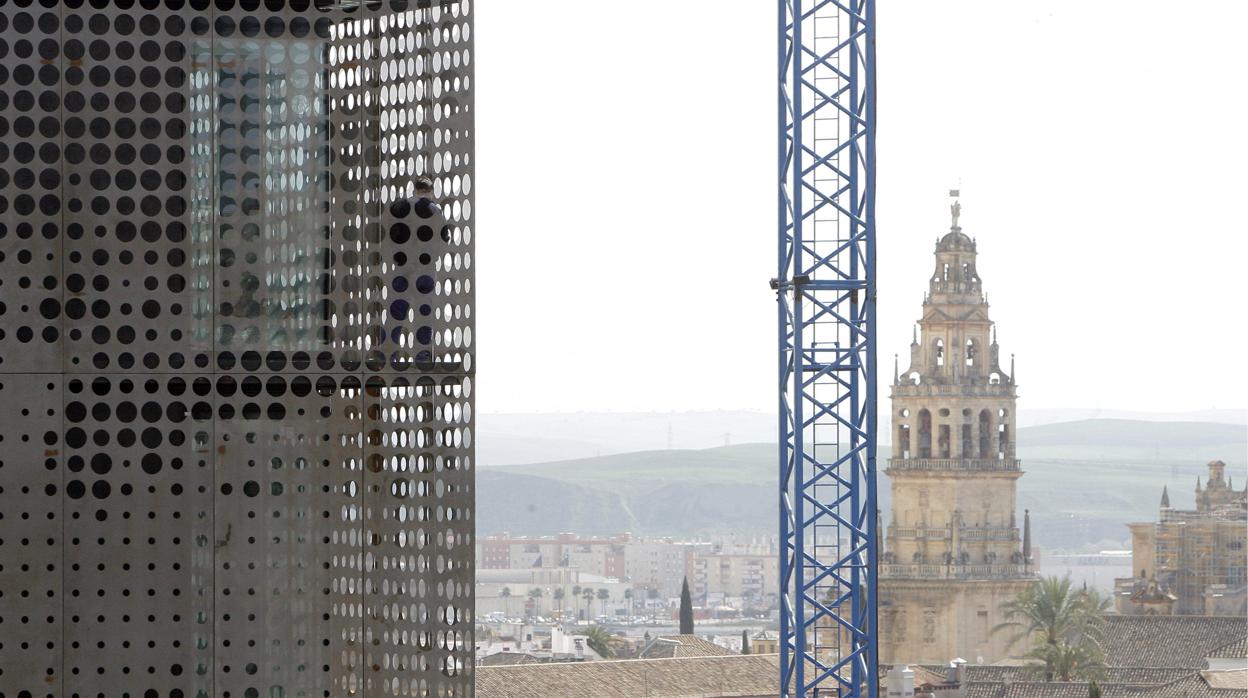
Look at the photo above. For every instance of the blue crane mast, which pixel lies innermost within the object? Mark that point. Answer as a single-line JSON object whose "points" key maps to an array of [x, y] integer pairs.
{"points": [[826, 289]]}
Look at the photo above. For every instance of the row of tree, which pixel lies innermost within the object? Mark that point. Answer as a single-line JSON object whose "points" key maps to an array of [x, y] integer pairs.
{"points": [[585, 594], [1063, 625]]}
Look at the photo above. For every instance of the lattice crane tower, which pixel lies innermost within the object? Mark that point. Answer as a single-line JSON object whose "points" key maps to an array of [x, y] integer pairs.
{"points": [[825, 287]]}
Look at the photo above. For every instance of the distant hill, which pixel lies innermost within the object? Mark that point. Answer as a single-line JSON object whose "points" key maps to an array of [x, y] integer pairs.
{"points": [[636, 473], [650, 492], [506, 439], [1084, 481]]}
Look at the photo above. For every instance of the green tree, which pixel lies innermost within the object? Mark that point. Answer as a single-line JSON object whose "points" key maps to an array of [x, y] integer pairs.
{"points": [[558, 596], [745, 642], [628, 599], [587, 595], [1064, 627], [505, 595], [603, 597], [686, 609], [536, 594], [1070, 662], [601, 641], [1094, 690]]}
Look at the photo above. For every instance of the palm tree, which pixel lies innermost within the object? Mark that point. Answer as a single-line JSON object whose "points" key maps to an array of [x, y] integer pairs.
{"points": [[628, 599], [587, 595], [558, 595], [1067, 662], [601, 641], [505, 594], [604, 596], [536, 594], [1064, 625]]}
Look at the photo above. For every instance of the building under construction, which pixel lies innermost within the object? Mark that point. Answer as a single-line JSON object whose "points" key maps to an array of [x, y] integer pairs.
{"points": [[1191, 562]]}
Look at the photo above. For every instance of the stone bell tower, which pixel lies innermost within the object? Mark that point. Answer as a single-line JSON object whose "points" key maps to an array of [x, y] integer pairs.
{"points": [[953, 551]]}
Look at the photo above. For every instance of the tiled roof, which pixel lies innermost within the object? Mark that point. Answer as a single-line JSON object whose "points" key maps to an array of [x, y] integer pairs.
{"points": [[1203, 684], [507, 659], [1147, 657], [976, 673], [751, 675], [932, 675], [1144, 676], [1196, 684], [681, 646], [1168, 641], [1233, 650]]}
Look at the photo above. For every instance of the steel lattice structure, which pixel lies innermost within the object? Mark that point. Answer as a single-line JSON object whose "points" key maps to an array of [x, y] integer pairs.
{"points": [[826, 291]]}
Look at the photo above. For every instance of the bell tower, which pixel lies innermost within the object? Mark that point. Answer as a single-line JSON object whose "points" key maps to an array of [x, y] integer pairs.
{"points": [[953, 550]]}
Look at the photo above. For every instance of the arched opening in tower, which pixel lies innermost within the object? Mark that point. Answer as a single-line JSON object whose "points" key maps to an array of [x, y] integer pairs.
{"points": [[985, 434], [1003, 433], [903, 440], [968, 441], [925, 434]]}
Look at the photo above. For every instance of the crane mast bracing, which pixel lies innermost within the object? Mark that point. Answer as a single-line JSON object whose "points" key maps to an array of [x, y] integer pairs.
{"points": [[826, 295]]}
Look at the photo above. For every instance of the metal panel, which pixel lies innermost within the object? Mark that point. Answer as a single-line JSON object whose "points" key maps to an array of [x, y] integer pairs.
{"points": [[246, 467], [31, 171], [138, 533], [417, 297], [287, 533], [130, 290], [418, 514], [31, 523]]}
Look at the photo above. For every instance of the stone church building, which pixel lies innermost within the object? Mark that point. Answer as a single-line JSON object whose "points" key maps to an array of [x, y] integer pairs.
{"points": [[953, 551]]}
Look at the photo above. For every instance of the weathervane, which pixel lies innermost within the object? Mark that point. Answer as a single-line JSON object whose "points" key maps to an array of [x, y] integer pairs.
{"points": [[956, 208]]}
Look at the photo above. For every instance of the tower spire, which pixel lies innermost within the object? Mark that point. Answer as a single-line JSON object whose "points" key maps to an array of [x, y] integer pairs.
{"points": [[896, 373], [955, 417], [1165, 497]]}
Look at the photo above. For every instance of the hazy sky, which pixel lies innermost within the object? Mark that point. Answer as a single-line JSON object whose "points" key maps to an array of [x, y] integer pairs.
{"points": [[627, 205]]}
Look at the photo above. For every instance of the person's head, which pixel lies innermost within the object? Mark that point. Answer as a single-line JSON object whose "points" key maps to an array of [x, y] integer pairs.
{"points": [[424, 187]]}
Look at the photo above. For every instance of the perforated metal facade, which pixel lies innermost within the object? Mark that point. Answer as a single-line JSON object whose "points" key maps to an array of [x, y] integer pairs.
{"points": [[236, 345]]}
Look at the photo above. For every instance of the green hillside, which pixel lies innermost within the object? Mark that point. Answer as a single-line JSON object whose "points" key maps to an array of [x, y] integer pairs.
{"points": [[1084, 481], [743, 464]]}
